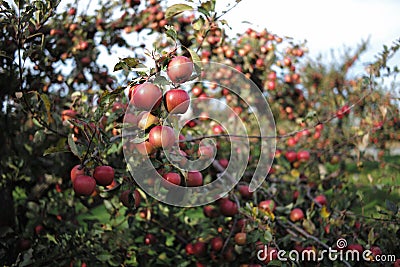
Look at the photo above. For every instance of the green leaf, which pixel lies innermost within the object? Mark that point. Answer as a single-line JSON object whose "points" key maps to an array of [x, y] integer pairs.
{"points": [[47, 105], [73, 147], [371, 237], [138, 139], [161, 80], [51, 238], [60, 147], [267, 236], [120, 66], [170, 240], [171, 32], [131, 62], [104, 257], [198, 23], [177, 9], [208, 6], [195, 58]]}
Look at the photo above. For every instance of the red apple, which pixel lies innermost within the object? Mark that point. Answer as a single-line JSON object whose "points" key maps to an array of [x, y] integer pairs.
{"points": [[376, 250], [271, 85], [189, 249], [245, 192], [132, 91], [228, 207], [104, 175], [303, 156], [84, 185], [171, 178], [217, 243], [296, 215], [194, 178], [85, 61], [356, 247], [145, 148], [176, 101], [39, 229], [321, 199], [72, 11], [180, 69], [217, 129], [129, 200], [162, 136], [291, 156], [210, 211], [196, 91], [146, 96], [149, 239], [240, 239], [224, 163], [267, 205], [199, 248], [76, 171], [206, 152]]}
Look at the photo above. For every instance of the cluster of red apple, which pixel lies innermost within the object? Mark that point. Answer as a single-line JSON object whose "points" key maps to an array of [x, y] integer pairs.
{"points": [[148, 99], [85, 184]]}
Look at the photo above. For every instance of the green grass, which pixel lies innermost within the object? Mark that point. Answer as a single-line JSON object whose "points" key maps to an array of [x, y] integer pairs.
{"points": [[376, 183]]}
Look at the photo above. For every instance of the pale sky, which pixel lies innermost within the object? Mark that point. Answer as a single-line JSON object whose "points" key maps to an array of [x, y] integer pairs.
{"points": [[325, 24]]}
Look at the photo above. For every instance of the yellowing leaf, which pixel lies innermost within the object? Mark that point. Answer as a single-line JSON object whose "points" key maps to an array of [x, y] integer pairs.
{"points": [[295, 173], [324, 212]]}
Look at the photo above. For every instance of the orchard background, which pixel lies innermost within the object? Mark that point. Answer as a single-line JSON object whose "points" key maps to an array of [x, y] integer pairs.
{"points": [[335, 165]]}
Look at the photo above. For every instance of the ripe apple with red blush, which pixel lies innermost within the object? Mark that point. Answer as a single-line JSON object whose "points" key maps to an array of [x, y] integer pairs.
{"points": [[145, 148], [194, 178], [196, 91], [321, 199], [171, 178], [199, 249], [228, 207], [104, 175], [76, 171], [303, 156], [84, 185], [162, 136], [291, 156], [180, 69], [245, 191], [296, 214], [146, 96], [176, 101], [150, 239], [210, 211], [130, 200], [189, 248], [267, 205], [241, 238], [205, 152], [217, 243], [224, 163], [356, 247]]}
